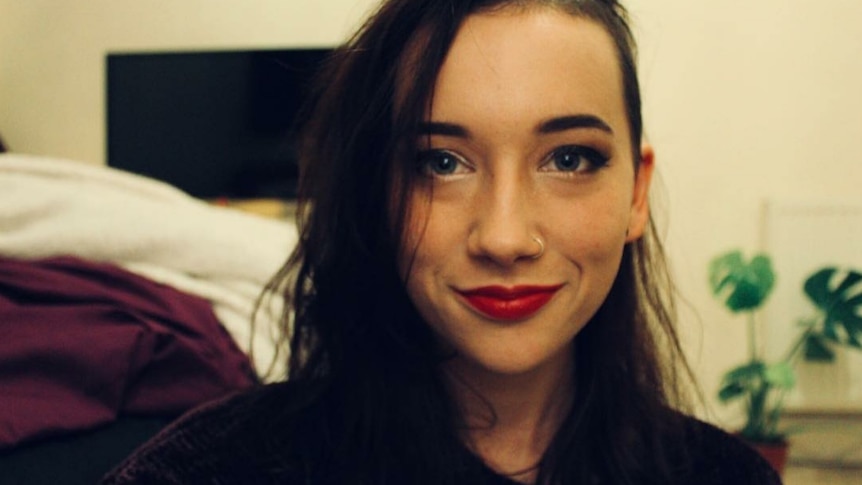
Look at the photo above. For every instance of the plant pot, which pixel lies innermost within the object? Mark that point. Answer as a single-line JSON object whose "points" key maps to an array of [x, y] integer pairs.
{"points": [[774, 453]]}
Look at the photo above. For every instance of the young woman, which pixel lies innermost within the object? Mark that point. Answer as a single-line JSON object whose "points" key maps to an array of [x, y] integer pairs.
{"points": [[478, 295]]}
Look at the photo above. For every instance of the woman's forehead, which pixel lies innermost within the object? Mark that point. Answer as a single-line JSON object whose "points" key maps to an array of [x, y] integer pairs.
{"points": [[535, 63]]}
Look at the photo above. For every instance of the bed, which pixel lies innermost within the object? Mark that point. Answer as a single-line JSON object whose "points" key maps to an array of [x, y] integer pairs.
{"points": [[124, 302]]}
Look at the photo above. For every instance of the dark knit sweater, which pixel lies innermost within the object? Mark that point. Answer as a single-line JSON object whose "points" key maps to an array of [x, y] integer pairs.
{"points": [[247, 439]]}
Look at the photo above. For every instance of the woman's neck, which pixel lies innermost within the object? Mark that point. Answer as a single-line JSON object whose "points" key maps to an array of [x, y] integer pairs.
{"points": [[510, 420]]}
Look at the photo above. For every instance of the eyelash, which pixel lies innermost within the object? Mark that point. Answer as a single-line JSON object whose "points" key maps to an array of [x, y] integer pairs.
{"points": [[427, 157], [594, 159], [456, 164]]}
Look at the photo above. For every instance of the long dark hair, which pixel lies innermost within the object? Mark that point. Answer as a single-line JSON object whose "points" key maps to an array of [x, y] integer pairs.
{"points": [[353, 331]]}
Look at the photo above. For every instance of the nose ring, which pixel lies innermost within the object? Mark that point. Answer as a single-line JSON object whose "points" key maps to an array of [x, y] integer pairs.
{"points": [[541, 248]]}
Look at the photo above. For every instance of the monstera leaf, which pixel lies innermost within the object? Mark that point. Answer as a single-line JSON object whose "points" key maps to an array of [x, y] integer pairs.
{"points": [[817, 349], [841, 304], [743, 286], [749, 378]]}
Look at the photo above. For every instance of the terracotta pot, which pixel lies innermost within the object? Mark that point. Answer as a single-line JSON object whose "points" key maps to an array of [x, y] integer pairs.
{"points": [[774, 453]]}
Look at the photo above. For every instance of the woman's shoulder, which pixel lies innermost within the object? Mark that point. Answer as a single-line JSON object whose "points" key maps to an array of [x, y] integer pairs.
{"points": [[248, 437], [718, 458]]}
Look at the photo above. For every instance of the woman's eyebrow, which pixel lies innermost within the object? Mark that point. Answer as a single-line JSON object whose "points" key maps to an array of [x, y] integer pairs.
{"points": [[563, 123], [553, 125], [443, 128]]}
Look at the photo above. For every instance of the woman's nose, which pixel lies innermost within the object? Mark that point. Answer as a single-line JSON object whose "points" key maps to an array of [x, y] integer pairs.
{"points": [[504, 229]]}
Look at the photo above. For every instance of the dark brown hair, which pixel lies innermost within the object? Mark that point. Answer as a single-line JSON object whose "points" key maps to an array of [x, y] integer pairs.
{"points": [[352, 328]]}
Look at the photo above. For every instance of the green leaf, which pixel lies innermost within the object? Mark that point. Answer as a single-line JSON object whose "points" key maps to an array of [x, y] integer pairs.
{"points": [[817, 350], [780, 375], [743, 286], [730, 391], [741, 380], [841, 305], [721, 269]]}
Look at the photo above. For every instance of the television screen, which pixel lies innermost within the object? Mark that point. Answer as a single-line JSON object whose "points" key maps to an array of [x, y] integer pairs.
{"points": [[214, 124]]}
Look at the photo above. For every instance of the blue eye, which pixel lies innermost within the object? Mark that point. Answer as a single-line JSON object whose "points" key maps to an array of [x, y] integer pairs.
{"points": [[439, 163], [574, 158]]}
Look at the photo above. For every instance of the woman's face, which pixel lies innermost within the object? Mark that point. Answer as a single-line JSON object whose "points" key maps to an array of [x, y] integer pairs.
{"points": [[527, 140]]}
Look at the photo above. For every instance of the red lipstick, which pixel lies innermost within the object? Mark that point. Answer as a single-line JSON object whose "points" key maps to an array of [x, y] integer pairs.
{"points": [[514, 303]]}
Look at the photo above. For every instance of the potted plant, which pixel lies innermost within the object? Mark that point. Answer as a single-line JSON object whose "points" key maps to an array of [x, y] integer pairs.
{"points": [[743, 286]]}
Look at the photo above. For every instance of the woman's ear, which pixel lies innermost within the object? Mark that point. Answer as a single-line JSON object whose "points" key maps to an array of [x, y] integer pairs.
{"points": [[639, 217]]}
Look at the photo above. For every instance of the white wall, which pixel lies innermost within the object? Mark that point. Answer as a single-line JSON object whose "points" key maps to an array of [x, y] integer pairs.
{"points": [[744, 101]]}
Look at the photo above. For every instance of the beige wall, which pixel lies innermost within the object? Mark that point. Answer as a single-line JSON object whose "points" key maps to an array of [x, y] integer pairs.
{"points": [[52, 99], [744, 101]]}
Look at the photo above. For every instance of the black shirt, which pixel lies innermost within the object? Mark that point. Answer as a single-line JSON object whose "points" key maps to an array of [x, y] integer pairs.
{"points": [[247, 439]]}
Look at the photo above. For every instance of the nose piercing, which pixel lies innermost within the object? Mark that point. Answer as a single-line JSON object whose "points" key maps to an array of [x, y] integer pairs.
{"points": [[541, 248]]}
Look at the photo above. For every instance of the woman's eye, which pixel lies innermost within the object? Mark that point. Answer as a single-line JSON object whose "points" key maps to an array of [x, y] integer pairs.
{"points": [[573, 158], [441, 163]]}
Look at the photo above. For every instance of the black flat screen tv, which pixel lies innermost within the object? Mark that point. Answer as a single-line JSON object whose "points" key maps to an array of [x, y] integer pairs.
{"points": [[215, 124]]}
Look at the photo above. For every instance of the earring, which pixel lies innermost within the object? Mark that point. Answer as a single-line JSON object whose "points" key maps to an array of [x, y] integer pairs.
{"points": [[541, 248]]}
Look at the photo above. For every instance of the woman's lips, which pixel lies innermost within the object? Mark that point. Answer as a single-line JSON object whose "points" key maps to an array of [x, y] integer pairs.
{"points": [[514, 303]]}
